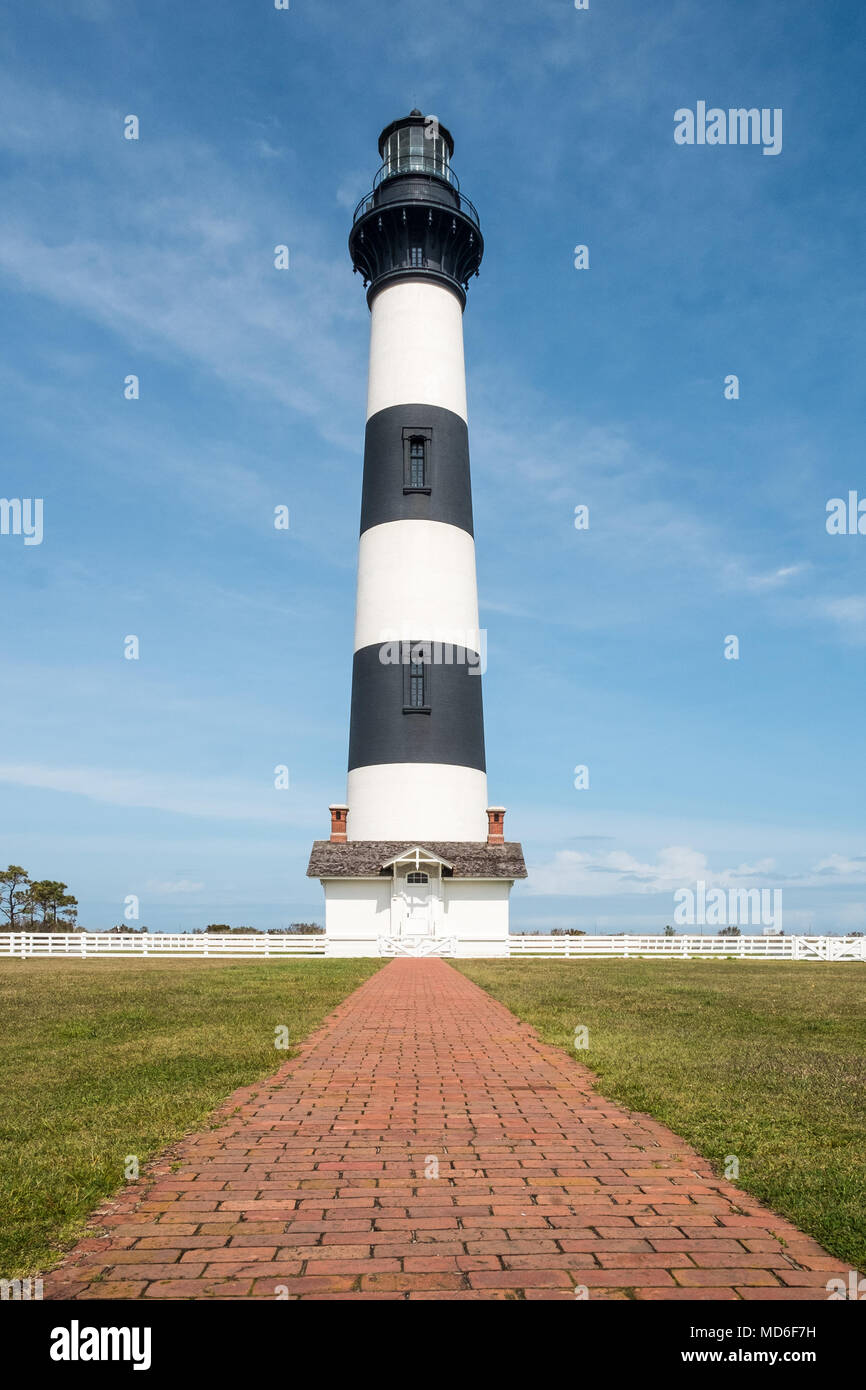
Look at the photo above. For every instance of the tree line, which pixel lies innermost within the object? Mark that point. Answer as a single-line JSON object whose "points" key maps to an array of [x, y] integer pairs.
{"points": [[39, 904], [296, 929], [44, 904]]}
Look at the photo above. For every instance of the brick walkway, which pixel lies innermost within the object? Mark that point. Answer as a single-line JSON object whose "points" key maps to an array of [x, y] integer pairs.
{"points": [[314, 1186]]}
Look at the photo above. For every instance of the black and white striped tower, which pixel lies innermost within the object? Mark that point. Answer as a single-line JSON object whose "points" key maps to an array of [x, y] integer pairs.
{"points": [[416, 746]]}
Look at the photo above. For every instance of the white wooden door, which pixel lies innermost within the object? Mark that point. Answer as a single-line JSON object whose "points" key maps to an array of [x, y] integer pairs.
{"points": [[418, 902]]}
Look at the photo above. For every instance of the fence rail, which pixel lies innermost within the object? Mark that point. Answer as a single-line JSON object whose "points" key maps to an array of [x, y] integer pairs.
{"points": [[679, 947], [184, 944], [85, 944]]}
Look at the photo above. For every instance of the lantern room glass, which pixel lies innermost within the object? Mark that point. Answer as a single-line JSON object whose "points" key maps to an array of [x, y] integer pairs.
{"points": [[416, 149]]}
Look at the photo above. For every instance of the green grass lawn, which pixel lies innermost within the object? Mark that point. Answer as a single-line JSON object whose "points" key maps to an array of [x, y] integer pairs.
{"points": [[763, 1060], [100, 1059]]}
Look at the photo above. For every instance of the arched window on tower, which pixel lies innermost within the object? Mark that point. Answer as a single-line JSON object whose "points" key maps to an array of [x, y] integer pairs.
{"points": [[417, 444]]}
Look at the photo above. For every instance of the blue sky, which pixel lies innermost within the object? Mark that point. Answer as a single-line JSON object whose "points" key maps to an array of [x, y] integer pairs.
{"points": [[602, 387]]}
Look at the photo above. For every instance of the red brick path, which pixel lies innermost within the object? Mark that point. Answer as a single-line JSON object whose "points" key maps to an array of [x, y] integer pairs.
{"points": [[314, 1186]]}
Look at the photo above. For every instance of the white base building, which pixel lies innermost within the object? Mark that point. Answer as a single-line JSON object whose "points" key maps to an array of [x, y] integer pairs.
{"points": [[442, 899]]}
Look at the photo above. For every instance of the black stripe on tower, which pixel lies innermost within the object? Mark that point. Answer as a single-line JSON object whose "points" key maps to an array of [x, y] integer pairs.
{"points": [[416, 467], [390, 724]]}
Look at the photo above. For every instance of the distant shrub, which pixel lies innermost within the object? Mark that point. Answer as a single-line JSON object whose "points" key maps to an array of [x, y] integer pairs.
{"points": [[298, 929]]}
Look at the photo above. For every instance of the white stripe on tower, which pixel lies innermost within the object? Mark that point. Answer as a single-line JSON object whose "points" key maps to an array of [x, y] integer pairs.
{"points": [[435, 801], [416, 345], [416, 579]]}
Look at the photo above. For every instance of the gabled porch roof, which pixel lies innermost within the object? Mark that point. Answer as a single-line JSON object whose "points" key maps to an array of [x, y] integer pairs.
{"points": [[418, 854]]}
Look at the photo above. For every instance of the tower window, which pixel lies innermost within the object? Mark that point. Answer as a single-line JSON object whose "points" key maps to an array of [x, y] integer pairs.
{"points": [[416, 677], [416, 684], [416, 460], [416, 256]]}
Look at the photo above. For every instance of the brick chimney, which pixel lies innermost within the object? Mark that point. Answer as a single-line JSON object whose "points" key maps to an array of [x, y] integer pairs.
{"points": [[338, 823], [495, 825]]}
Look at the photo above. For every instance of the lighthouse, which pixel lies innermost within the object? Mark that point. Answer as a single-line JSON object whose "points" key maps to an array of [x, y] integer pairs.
{"points": [[417, 861]]}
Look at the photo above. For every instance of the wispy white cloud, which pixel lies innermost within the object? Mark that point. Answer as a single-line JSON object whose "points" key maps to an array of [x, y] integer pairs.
{"points": [[211, 798], [848, 613], [587, 874], [172, 889], [190, 272], [647, 545], [757, 582], [616, 872], [842, 867]]}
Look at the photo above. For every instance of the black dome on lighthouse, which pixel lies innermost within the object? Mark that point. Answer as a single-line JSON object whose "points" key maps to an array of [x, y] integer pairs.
{"points": [[416, 223]]}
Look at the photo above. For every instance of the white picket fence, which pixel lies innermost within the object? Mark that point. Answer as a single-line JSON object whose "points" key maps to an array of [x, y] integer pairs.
{"points": [[86, 944], [183, 944], [835, 948]]}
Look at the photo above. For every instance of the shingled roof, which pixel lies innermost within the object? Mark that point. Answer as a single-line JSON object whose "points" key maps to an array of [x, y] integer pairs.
{"points": [[367, 858]]}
